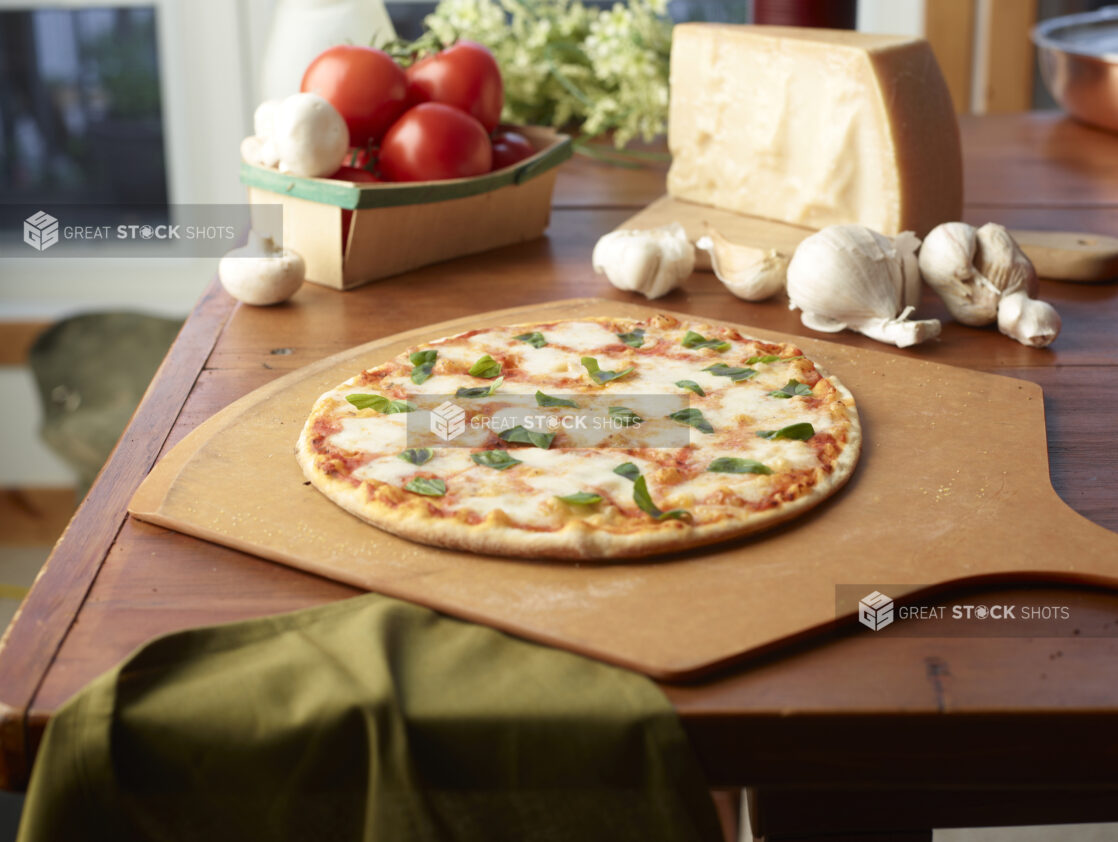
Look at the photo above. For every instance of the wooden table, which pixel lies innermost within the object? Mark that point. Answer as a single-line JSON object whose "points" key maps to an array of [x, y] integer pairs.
{"points": [[849, 732]]}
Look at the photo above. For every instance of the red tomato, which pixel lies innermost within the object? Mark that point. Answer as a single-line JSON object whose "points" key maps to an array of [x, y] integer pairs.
{"points": [[353, 174], [466, 76], [510, 148], [434, 141], [366, 86]]}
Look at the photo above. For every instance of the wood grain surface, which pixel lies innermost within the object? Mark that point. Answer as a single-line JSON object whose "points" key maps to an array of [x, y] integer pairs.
{"points": [[844, 711]]}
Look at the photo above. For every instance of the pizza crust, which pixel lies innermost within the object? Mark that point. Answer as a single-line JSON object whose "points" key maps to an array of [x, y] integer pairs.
{"points": [[423, 520]]}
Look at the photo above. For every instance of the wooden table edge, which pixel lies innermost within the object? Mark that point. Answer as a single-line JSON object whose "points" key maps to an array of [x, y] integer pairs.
{"points": [[27, 649]]}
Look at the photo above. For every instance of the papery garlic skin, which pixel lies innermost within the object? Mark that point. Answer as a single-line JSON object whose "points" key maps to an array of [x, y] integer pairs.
{"points": [[651, 261], [847, 276], [750, 273], [983, 276], [947, 264], [1028, 320]]}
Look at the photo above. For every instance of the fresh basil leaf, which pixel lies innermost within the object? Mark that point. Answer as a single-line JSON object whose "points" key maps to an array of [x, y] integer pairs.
{"points": [[380, 403], [496, 459], [535, 339], [426, 486], [693, 418], [486, 367], [549, 400], [691, 386], [734, 465], [582, 498], [735, 374], [644, 502], [634, 339], [519, 435], [800, 432], [624, 416], [479, 391], [697, 340], [424, 362], [627, 470], [377, 402], [602, 377], [417, 455], [791, 389]]}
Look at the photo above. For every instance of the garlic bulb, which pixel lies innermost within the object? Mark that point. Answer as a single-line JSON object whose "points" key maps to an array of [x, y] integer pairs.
{"points": [[979, 273], [652, 262], [847, 276], [750, 273]]}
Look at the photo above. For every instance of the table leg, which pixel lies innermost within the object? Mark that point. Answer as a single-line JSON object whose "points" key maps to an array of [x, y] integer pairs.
{"points": [[728, 804]]}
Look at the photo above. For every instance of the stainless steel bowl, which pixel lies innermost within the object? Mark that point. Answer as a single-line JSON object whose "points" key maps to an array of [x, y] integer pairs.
{"points": [[1078, 57]]}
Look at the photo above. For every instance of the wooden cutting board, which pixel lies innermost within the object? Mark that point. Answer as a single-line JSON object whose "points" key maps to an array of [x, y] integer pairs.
{"points": [[1057, 255], [953, 484]]}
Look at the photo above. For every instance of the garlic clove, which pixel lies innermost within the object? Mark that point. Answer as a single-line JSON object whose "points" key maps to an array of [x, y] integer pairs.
{"points": [[1028, 320], [650, 261], [947, 262], [848, 275], [750, 273], [983, 276], [901, 331], [1000, 260]]}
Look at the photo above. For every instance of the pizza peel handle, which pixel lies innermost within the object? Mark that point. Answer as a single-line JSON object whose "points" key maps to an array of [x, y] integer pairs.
{"points": [[952, 486], [1070, 255]]}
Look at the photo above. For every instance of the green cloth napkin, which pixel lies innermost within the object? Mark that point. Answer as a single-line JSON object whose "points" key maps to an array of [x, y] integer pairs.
{"points": [[366, 719]]}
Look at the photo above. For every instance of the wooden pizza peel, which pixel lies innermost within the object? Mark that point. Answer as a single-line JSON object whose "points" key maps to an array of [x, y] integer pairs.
{"points": [[952, 485]]}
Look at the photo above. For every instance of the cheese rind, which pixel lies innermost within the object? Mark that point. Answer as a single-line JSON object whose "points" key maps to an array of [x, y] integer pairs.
{"points": [[813, 127]]}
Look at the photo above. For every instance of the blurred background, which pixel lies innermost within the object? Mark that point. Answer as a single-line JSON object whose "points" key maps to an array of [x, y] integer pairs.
{"points": [[144, 105]]}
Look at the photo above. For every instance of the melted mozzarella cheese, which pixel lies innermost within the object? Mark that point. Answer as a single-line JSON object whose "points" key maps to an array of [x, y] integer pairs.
{"points": [[676, 476]]}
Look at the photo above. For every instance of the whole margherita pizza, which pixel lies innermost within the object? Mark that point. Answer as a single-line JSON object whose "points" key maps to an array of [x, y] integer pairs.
{"points": [[583, 439]]}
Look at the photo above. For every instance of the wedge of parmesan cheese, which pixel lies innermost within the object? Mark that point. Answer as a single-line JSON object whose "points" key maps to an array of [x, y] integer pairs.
{"points": [[813, 127]]}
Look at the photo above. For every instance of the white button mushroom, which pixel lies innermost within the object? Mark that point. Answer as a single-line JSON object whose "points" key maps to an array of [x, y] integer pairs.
{"points": [[302, 135], [260, 273], [258, 148], [310, 136]]}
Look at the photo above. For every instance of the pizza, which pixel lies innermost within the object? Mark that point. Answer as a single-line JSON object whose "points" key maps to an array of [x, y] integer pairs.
{"points": [[592, 438]]}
